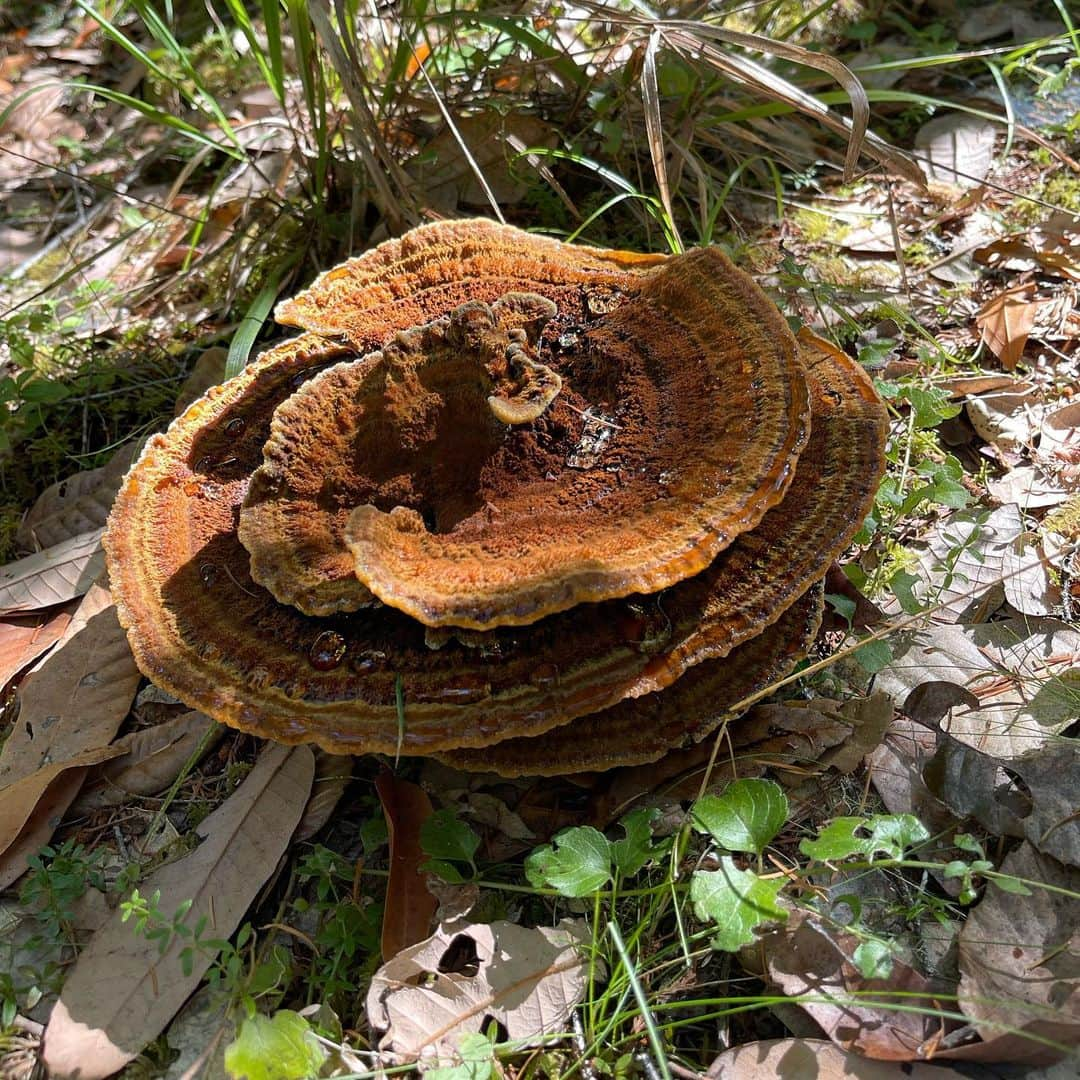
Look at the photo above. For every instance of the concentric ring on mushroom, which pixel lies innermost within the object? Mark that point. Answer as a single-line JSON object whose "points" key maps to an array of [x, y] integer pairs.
{"points": [[513, 481]]}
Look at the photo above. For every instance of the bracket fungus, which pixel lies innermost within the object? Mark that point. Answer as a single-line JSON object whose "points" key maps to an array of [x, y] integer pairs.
{"points": [[518, 504]]}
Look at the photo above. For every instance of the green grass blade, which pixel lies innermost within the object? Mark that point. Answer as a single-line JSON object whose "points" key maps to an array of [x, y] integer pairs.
{"points": [[252, 322], [658, 1049]]}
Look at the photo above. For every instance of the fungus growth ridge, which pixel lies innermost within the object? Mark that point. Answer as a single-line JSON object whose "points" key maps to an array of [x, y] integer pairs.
{"points": [[572, 504]]}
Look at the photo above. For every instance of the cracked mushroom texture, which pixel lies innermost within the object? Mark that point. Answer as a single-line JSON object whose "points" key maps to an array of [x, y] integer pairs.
{"points": [[370, 413]]}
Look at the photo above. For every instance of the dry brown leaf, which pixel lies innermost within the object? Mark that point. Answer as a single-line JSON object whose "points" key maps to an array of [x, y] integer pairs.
{"points": [[896, 768], [1053, 247], [527, 979], [1053, 779], [794, 1059], [1006, 320], [23, 638], [121, 992], [17, 800], [1024, 671], [1030, 488], [812, 965], [1019, 957], [333, 772], [410, 907], [53, 576], [148, 760], [73, 702], [869, 718], [76, 505]]}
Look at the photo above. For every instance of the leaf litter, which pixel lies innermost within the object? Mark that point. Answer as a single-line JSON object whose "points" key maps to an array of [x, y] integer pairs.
{"points": [[992, 752]]}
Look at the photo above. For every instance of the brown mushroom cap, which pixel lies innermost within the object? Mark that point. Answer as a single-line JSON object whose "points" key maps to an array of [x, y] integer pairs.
{"points": [[639, 730], [201, 628], [367, 431], [461, 521]]}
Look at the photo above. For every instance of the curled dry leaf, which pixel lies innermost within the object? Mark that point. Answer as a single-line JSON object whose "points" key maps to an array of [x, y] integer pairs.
{"points": [[76, 505], [73, 703], [1018, 959], [1024, 672], [793, 1058], [1005, 321], [813, 965], [430, 994], [410, 908], [53, 576], [23, 638], [332, 775], [121, 993], [148, 760]]}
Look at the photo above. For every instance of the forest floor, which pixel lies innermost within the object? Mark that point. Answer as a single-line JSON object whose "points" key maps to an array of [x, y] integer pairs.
{"points": [[876, 870]]}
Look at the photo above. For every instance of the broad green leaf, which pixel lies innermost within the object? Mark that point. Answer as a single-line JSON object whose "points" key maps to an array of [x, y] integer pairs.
{"points": [[632, 853], [874, 656], [846, 836], [737, 901], [444, 836], [1011, 885], [577, 863], [745, 817], [281, 1047], [477, 1060], [874, 959]]}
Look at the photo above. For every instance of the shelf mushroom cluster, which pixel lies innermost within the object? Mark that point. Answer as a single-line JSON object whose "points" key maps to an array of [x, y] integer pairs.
{"points": [[524, 506]]}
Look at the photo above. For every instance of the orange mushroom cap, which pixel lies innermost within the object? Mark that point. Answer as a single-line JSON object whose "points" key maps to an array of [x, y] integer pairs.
{"points": [[459, 520], [204, 630]]}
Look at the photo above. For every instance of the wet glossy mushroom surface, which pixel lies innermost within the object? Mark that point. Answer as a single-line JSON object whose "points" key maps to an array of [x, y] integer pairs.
{"points": [[204, 625]]}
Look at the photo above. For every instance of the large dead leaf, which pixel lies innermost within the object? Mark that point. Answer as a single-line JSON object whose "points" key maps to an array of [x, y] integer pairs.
{"points": [[410, 907], [796, 1059], [23, 638], [53, 576], [973, 561], [432, 993], [1053, 778], [76, 505], [1031, 487], [812, 964], [1005, 321], [72, 703], [17, 800], [122, 992], [956, 148], [1020, 957], [148, 760], [1025, 673]]}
